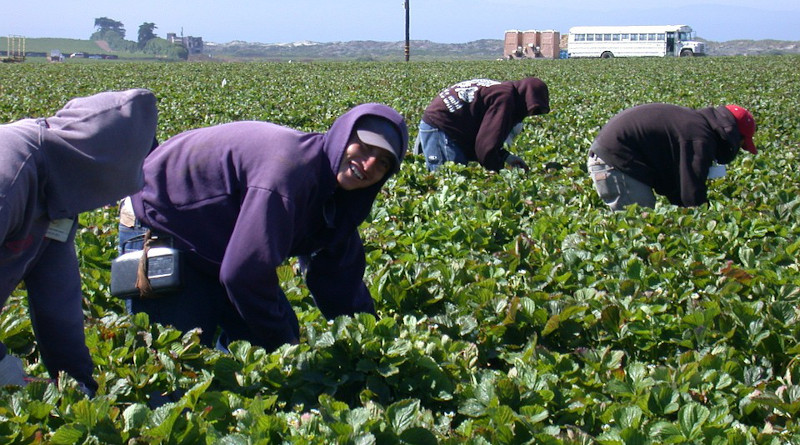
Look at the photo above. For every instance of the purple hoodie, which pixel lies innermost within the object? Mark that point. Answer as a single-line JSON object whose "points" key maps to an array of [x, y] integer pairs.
{"points": [[89, 154], [243, 197], [480, 113]]}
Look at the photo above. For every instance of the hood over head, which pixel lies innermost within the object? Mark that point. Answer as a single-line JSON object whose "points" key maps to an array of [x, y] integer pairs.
{"points": [[94, 148], [533, 95], [724, 125], [336, 139], [353, 206]]}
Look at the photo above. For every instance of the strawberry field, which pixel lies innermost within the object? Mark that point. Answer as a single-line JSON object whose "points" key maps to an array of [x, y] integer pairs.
{"points": [[513, 308]]}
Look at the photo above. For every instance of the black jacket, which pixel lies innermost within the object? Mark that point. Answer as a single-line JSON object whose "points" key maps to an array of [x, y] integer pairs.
{"points": [[669, 147]]}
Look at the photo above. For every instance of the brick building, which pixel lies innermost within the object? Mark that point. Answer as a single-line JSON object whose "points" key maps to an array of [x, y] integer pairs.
{"points": [[532, 44], [193, 44]]}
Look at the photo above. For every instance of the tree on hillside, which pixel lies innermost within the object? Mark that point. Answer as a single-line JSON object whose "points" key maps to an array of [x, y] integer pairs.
{"points": [[106, 25], [146, 33], [113, 33]]}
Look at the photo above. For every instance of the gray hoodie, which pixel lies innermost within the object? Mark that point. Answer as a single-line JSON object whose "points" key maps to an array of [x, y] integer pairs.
{"points": [[89, 154]]}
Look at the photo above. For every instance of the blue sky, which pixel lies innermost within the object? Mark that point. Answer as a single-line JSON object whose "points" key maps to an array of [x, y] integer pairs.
{"points": [[444, 21]]}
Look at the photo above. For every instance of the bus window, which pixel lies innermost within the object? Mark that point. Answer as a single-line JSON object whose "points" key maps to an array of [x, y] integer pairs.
{"points": [[651, 36], [642, 36], [634, 37], [660, 37], [590, 37], [598, 37], [615, 37], [580, 37], [607, 37], [625, 37]]}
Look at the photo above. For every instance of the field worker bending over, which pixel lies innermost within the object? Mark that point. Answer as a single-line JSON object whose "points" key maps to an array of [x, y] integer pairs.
{"points": [[89, 154], [238, 199], [667, 149], [475, 120]]}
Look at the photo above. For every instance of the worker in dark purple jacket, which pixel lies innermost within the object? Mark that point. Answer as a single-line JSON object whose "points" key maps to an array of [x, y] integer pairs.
{"points": [[475, 120], [89, 154], [238, 199], [668, 149]]}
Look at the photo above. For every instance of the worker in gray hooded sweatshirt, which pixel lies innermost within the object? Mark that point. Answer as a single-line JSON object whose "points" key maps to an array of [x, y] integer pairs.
{"points": [[88, 155]]}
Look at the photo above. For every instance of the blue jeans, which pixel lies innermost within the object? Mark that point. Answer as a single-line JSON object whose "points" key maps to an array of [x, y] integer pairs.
{"points": [[618, 189], [202, 302], [438, 147]]}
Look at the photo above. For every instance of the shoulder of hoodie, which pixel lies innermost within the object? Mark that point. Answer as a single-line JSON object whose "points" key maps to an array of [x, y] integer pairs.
{"points": [[272, 150], [108, 101], [497, 92], [19, 146]]}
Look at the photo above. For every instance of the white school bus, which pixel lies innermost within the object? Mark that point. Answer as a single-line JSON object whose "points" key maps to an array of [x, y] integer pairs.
{"points": [[633, 41]]}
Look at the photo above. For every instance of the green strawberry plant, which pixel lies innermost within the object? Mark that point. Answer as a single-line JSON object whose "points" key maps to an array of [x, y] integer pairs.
{"points": [[512, 308]]}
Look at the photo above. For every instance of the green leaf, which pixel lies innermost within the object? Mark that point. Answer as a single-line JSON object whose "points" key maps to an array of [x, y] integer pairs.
{"points": [[68, 434], [403, 414], [692, 417], [551, 325], [418, 436], [666, 432], [628, 417], [135, 416]]}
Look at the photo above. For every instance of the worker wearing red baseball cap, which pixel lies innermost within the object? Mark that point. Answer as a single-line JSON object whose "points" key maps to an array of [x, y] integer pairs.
{"points": [[668, 150], [746, 126]]}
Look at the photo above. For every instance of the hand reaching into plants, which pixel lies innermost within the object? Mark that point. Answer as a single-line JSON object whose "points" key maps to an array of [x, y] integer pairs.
{"points": [[514, 161]]}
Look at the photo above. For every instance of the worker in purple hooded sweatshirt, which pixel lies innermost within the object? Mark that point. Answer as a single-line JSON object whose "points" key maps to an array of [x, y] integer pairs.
{"points": [[238, 199], [476, 120], [89, 154]]}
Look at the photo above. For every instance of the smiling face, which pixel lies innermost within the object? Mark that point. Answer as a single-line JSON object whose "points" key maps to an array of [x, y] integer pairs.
{"points": [[362, 165]]}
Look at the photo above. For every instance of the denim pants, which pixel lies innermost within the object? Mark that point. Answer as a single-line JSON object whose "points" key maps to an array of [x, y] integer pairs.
{"points": [[202, 302], [618, 189], [438, 147]]}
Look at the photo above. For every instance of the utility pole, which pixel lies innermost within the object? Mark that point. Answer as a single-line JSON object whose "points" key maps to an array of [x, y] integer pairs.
{"points": [[405, 4]]}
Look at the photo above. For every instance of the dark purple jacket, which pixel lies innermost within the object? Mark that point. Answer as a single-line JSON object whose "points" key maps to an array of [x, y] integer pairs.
{"points": [[479, 114], [243, 197], [669, 147], [89, 154]]}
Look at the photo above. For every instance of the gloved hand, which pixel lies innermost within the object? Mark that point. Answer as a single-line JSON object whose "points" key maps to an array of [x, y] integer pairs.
{"points": [[514, 161], [11, 371]]}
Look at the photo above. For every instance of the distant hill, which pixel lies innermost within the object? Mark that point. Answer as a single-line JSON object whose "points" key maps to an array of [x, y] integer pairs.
{"points": [[752, 47], [487, 49], [357, 50]]}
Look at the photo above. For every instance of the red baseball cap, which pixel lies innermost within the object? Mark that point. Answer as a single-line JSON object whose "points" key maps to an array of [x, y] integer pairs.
{"points": [[746, 125]]}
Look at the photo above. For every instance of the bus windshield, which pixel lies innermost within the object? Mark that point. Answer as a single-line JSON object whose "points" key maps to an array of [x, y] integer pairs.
{"points": [[684, 36]]}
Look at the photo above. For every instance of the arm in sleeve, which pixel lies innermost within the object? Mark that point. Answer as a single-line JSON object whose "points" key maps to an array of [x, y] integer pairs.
{"points": [[54, 297], [495, 128], [335, 277], [259, 243], [693, 170]]}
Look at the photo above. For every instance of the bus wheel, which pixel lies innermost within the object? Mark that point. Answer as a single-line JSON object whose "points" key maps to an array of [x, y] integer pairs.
{"points": [[687, 53], [607, 55]]}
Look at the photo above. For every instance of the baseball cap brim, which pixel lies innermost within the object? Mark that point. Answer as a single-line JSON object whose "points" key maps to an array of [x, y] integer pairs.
{"points": [[749, 145], [380, 133]]}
